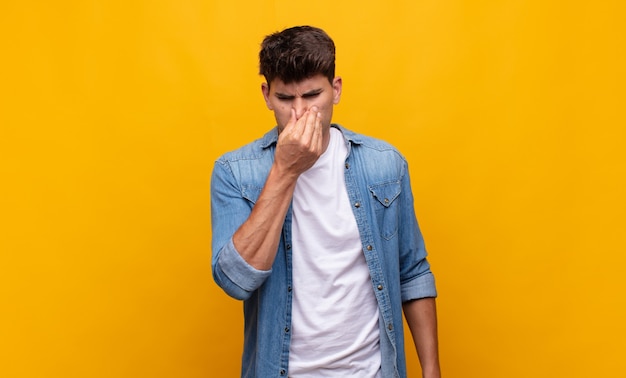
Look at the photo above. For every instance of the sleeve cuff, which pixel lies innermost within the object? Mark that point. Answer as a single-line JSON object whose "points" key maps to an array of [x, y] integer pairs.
{"points": [[420, 287], [239, 271]]}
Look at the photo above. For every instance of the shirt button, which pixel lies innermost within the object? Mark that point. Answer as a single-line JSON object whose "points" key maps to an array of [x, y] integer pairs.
{"points": [[282, 371], [390, 327], [357, 204], [286, 329], [289, 288], [386, 200], [288, 246], [369, 247], [379, 287], [347, 165]]}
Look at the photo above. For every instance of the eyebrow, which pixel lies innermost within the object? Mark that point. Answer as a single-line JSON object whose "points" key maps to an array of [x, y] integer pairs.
{"points": [[311, 93]]}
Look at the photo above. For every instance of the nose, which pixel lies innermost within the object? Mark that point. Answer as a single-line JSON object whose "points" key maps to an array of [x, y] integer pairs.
{"points": [[300, 106]]}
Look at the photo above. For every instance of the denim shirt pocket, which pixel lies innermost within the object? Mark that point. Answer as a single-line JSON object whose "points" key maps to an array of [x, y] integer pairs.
{"points": [[384, 197]]}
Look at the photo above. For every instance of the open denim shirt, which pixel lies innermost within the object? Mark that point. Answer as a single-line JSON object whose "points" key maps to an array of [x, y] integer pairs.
{"points": [[379, 188]]}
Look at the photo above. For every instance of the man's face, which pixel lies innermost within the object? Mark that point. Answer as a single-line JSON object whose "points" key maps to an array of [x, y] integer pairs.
{"points": [[301, 96]]}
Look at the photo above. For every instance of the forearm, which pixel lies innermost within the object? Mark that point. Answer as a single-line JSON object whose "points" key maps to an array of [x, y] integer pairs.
{"points": [[258, 237], [421, 316]]}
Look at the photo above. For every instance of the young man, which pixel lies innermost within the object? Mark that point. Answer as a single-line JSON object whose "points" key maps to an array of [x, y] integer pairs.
{"points": [[314, 228]]}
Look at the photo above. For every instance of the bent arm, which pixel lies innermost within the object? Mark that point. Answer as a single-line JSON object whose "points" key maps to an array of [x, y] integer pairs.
{"points": [[258, 237], [298, 148], [421, 316], [245, 242], [239, 274]]}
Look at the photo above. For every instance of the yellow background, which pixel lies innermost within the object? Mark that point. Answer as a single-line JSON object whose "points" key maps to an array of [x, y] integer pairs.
{"points": [[511, 114]]}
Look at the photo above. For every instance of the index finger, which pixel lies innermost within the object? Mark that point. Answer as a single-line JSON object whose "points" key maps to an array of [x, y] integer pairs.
{"points": [[311, 122]]}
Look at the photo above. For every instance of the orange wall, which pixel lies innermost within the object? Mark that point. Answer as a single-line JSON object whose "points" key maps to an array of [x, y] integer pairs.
{"points": [[511, 114]]}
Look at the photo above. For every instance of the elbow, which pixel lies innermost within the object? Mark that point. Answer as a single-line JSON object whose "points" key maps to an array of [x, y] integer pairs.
{"points": [[229, 287], [235, 276]]}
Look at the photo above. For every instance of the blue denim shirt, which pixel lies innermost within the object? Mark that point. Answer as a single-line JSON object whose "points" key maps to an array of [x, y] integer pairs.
{"points": [[378, 185]]}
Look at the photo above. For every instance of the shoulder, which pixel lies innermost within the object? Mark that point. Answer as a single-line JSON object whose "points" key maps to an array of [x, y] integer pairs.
{"points": [[375, 161], [248, 165], [370, 147], [257, 149]]}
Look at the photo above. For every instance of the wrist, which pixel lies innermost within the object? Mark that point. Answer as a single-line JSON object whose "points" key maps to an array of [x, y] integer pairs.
{"points": [[431, 371], [283, 174]]}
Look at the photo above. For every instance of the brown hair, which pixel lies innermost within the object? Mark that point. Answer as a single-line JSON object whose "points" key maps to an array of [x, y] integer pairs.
{"points": [[297, 53]]}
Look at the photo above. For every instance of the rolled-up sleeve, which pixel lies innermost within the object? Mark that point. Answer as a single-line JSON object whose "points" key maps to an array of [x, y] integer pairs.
{"points": [[229, 209], [420, 287], [417, 280], [234, 275]]}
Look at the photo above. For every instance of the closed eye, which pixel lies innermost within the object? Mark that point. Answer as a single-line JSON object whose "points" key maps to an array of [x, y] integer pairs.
{"points": [[311, 95], [284, 97], [287, 97]]}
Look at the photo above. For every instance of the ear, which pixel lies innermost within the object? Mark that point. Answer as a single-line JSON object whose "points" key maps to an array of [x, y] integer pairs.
{"points": [[265, 89], [337, 84]]}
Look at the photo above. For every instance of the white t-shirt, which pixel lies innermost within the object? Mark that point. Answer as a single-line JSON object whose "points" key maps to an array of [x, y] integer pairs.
{"points": [[334, 312]]}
